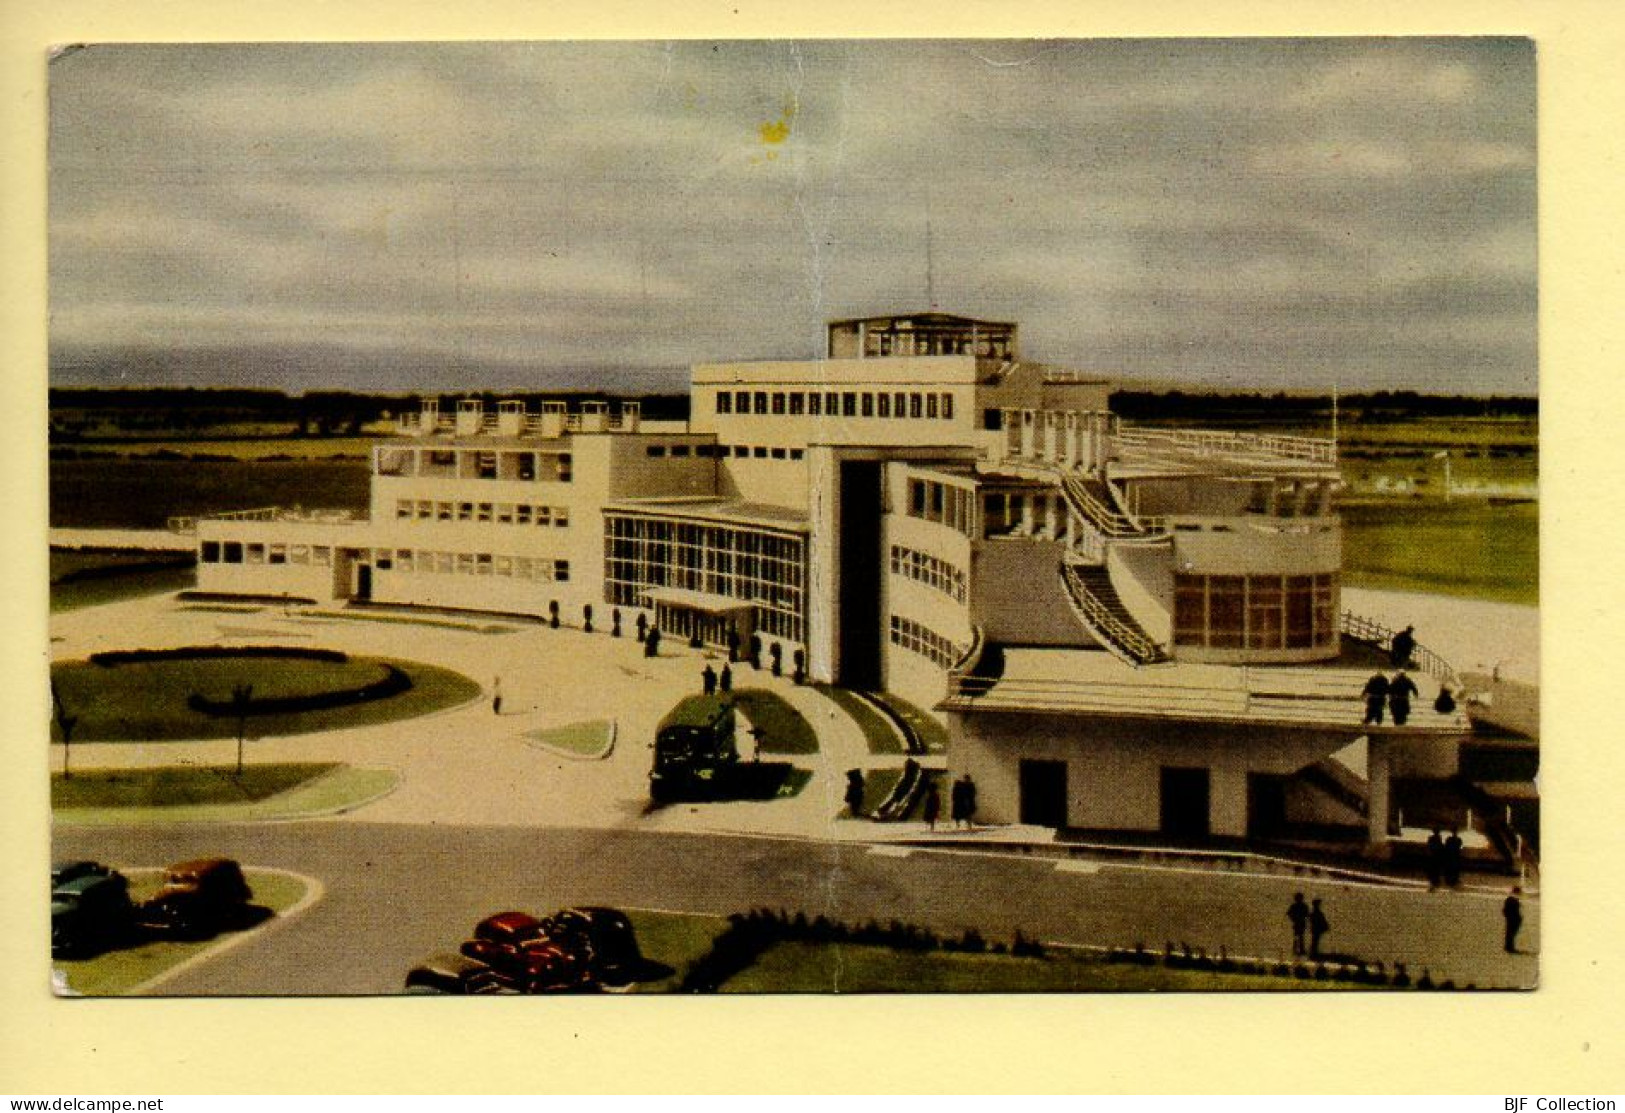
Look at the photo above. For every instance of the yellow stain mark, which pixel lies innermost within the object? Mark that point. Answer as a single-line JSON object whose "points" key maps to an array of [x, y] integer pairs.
{"points": [[775, 132]]}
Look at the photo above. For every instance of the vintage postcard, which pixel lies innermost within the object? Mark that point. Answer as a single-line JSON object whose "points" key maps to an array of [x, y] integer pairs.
{"points": [[834, 517]]}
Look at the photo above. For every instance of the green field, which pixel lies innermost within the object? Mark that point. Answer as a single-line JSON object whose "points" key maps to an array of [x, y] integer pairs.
{"points": [[180, 785], [146, 701], [590, 739], [144, 493], [1461, 547], [86, 579]]}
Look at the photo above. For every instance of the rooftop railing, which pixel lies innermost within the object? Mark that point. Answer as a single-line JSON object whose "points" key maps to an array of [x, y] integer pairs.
{"points": [[1376, 634], [1215, 444]]}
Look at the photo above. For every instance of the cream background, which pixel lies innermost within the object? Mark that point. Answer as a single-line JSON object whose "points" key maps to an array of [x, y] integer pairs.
{"points": [[1565, 1038]]}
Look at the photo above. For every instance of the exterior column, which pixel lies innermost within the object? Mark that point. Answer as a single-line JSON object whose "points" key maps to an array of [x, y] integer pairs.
{"points": [[1071, 439], [1026, 514], [1028, 432], [1011, 420], [1379, 777]]}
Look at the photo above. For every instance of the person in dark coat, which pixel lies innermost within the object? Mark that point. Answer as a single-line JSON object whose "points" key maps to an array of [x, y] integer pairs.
{"points": [[1298, 913], [1435, 864], [970, 802], [1400, 690], [1404, 644], [1452, 860], [708, 680], [1376, 694], [854, 792], [726, 680], [933, 806], [956, 802], [1319, 925], [1512, 913]]}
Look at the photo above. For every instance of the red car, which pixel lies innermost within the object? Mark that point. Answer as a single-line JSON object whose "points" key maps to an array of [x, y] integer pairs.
{"points": [[516, 948]]}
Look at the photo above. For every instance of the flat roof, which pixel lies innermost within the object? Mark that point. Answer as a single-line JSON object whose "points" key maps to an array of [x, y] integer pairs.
{"points": [[698, 600], [1093, 682], [692, 508]]}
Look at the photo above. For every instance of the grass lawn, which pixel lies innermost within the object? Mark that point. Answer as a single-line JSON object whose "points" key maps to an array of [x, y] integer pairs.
{"points": [[85, 579], [877, 732], [673, 939], [174, 785], [146, 701], [162, 795], [852, 968], [118, 972], [788, 732], [927, 726], [877, 786], [589, 739], [1464, 547]]}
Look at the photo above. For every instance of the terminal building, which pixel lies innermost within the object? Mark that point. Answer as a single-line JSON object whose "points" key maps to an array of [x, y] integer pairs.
{"points": [[1125, 628]]}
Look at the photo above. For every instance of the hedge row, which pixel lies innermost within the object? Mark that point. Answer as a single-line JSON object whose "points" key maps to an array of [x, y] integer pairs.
{"points": [[114, 657], [750, 933], [392, 683], [1355, 971]]}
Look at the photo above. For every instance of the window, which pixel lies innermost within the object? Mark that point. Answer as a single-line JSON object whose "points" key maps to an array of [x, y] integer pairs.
{"points": [[813, 403], [504, 566], [564, 467], [482, 564], [544, 515], [425, 510], [527, 466], [883, 405], [931, 405], [277, 554], [443, 511], [798, 403], [403, 559], [913, 405], [796, 454], [778, 454], [760, 452], [505, 513], [319, 554], [761, 401], [947, 407], [561, 516], [210, 552], [704, 450], [868, 404], [725, 402], [465, 512], [255, 552], [655, 451], [298, 554], [561, 571], [778, 403], [680, 450], [486, 465], [992, 418], [899, 405], [849, 404], [521, 514], [485, 512], [832, 403], [404, 508]]}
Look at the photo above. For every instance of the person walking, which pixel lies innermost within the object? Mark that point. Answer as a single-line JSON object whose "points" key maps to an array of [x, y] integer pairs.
{"points": [[1435, 862], [1512, 913], [970, 803], [725, 682], [933, 806], [956, 802], [1400, 690], [1452, 860], [496, 696], [1319, 925], [854, 792], [708, 680], [1403, 645], [1298, 913], [1376, 694]]}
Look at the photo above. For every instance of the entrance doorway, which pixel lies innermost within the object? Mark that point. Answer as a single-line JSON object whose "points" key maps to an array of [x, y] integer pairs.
{"points": [[1266, 805], [363, 582], [860, 613], [1043, 792], [1185, 802]]}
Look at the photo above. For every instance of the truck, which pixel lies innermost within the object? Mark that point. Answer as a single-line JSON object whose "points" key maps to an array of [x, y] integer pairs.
{"points": [[694, 749]]}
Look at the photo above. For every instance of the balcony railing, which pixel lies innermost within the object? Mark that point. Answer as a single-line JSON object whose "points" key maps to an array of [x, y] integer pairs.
{"points": [[1214, 444], [1375, 634]]}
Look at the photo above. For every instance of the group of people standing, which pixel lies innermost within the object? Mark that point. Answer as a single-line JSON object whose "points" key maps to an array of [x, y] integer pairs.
{"points": [[961, 803], [1395, 694], [712, 681], [1307, 919], [1444, 860]]}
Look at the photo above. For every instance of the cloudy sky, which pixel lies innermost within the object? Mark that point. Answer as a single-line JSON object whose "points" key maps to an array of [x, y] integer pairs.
{"points": [[1268, 214]]}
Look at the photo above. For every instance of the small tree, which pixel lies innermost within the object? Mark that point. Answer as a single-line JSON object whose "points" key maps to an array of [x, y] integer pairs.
{"points": [[64, 723]]}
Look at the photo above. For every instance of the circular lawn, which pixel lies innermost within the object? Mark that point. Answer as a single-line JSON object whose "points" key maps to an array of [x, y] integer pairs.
{"points": [[192, 693]]}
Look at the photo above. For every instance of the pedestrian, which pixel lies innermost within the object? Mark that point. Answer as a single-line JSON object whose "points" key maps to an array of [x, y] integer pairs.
{"points": [[1319, 925], [1404, 644], [1512, 912], [1376, 694], [970, 803], [496, 696], [1435, 864], [726, 681], [933, 806], [708, 679], [733, 643], [956, 802], [854, 792], [1298, 913], [1400, 690], [643, 626], [1452, 860]]}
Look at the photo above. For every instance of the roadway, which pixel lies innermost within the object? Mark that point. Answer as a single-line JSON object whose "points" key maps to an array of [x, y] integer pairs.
{"points": [[397, 893]]}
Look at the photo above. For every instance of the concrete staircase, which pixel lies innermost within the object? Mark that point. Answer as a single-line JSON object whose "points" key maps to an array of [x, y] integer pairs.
{"points": [[1097, 605]]}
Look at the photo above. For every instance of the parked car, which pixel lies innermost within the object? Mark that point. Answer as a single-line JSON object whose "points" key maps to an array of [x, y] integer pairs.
{"points": [[63, 872], [90, 912], [451, 973], [521, 955], [199, 898], [603, 937]]}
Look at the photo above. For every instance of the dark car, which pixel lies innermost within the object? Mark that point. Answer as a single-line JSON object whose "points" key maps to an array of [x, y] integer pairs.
{"points": [[451, 973], [199, 898], [63, 872], [603, 937], [90, 913]]}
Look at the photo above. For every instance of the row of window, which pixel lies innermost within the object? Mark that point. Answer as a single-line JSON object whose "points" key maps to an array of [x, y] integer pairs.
{"points": [[951, 506], [259, 552], [838, 403], [764, 569], [1256, 612], [501, 513], [923, 640], [551, 467], [929, 570], [545, 569], [724, 451]]}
